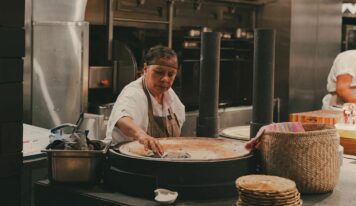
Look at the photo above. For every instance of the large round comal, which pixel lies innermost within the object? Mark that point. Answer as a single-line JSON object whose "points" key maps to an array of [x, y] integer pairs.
{"points": [[195, 167]]}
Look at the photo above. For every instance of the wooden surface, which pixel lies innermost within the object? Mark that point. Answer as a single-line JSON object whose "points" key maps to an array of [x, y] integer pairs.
{"points": [[318, 116], [326, 117], [349, 145]]}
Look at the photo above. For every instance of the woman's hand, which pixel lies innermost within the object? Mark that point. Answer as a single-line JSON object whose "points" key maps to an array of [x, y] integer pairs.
{"points": [[343, 88], [131, 129], [151, 143]]}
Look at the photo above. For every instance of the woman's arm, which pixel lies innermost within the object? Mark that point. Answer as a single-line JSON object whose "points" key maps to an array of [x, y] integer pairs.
{"points": [[343, 88], [131, 129]]}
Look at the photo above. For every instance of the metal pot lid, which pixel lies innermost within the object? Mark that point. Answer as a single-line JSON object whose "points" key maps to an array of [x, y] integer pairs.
{"points": [[188, 149]]}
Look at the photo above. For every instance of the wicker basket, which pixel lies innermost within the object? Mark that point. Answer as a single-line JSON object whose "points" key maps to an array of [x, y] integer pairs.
{"points": [[310, 158]]}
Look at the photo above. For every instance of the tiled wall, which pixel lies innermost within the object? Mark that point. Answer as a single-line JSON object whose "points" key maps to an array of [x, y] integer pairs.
{"points": [[12, 44]]}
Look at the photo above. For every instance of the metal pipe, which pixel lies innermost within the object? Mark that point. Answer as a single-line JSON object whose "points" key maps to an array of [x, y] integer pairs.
{"points": [[115, 67], [253, 18], [277, 109], [208, 119], [170, 22], [28, 64], [141, 20], [109, 27], [263, 79]]}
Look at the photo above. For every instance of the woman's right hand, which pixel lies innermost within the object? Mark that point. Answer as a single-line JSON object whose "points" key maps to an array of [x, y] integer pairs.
{"points": [[131, 129], [151, 143]]}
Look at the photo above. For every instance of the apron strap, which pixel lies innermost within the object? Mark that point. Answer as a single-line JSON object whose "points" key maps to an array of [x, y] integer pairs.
{"points": [[174, 123], [154, 128]]}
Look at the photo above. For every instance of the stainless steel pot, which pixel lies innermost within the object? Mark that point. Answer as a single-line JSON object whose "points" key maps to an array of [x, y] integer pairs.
{"points": [[106, 110]]}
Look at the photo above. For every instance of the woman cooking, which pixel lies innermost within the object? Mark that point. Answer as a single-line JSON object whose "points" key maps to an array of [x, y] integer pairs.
{"points": [[148, 107], [341, 81]]}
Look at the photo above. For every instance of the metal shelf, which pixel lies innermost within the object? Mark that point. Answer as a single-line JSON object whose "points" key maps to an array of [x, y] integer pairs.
{"points": [[198, 60], [243, 50]]}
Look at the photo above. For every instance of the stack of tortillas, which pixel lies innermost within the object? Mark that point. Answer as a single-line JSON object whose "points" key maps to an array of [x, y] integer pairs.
{"points": [[267, 190]]}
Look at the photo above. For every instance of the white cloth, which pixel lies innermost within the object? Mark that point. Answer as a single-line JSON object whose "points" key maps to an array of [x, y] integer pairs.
{"points": [[132, 102], [344, 63]]}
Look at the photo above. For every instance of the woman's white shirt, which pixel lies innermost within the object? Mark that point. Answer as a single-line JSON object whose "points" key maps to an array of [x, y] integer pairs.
{"points": [[344, 63], [132, 102]]}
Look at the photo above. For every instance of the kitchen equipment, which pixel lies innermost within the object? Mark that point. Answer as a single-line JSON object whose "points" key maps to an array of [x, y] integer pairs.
{"points": [[240, 33], [263, 79], [165, 196], [106, 110], [57, 132], [79, 166], [190, 44], [206, 29], [125, 66], [198, 149], [237, 132], [69, 165], [100, 77], [244, 33], [194, 32], [226, 35], [53, 10], [95, 124], [56, 73], [208, 119], [235, 82], [209, 172]]}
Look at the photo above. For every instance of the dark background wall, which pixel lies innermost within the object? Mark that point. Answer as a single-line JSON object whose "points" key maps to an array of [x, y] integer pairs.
{"points": [[12, 43]]}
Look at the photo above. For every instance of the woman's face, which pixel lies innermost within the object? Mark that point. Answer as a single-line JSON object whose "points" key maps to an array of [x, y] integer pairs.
{"points": [[159, 78]]}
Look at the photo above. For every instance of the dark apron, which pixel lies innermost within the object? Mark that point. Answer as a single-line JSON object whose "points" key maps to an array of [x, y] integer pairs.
{"points": [[161, 126]]}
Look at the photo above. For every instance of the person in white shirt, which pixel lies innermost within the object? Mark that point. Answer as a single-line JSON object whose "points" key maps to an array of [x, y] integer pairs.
{"points": [[148, 107], [341, 81]]}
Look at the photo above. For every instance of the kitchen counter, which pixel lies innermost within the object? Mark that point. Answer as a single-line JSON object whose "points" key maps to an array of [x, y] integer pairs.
{"points": [[344, 194], [53, 195], [34, 166]]}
